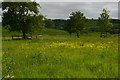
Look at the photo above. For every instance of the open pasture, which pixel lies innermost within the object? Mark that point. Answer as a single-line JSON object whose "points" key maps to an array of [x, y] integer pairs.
{"points": [[61, 57]]}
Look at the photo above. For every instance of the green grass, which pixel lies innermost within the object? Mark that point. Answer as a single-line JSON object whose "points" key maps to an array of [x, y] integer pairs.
{"points": [[52, 32], [61, 57], [48, 32], [57, 55], [5, 32], [44, 31]]}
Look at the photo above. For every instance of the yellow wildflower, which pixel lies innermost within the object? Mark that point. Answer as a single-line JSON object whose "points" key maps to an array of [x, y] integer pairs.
{"points": [[89, 45]]}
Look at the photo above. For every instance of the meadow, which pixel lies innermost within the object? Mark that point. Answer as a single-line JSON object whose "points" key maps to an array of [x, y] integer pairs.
{"points": [[60, 57], [43, 47]]}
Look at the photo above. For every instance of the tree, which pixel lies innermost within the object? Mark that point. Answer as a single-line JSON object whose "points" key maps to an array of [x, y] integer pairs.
{"points": [[22, 16], [69, 27], [104, 23], [59, 23], [76, 23], [49, 23]]}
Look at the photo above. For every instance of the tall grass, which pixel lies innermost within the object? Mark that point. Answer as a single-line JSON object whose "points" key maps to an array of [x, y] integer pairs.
{"points": [[61, 57]]}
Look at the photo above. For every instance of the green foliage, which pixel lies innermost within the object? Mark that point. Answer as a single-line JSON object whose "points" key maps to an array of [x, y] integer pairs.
{"points": [[115, 29], [92, 25], [21, 16], [59, 23], [0, 5], [49, 23], [52, 32], [104, 22], [76, 23]]}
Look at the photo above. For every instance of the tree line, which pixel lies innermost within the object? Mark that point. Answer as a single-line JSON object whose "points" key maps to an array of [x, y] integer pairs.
{"points": [[26, 18]]}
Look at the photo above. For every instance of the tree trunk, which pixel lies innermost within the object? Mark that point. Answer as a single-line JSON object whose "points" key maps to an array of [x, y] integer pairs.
{"points": [[101, 34], [70, 34], [24, 35], [78, 35]]}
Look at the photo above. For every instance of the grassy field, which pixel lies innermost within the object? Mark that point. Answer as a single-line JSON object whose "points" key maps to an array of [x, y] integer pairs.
{"points": [[44, 31], [61, 57], [48, 32]]}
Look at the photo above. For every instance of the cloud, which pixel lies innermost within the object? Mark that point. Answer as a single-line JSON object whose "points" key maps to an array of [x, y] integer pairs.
{"points": [[62, 10], [77, 0]]}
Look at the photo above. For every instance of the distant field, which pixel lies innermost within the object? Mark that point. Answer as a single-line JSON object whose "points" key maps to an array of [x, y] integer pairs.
{"points": [[49, 32], [61, 57], [44, 31]]}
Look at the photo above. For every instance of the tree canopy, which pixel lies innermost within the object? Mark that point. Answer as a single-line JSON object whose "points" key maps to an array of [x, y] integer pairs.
{"points": [[49, 23], [104, 22], [22, 16], [76, 23]]}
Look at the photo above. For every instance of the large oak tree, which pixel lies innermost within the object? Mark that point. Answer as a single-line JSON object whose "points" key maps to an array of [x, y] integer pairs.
{"points": [[22, 16]]}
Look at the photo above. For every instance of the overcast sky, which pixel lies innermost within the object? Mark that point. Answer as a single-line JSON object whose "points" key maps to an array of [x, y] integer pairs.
{"points": [[61, 10]]}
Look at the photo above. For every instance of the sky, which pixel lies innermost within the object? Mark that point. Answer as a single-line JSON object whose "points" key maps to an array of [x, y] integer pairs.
{"points": [[62, 10], [62, 0]]}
